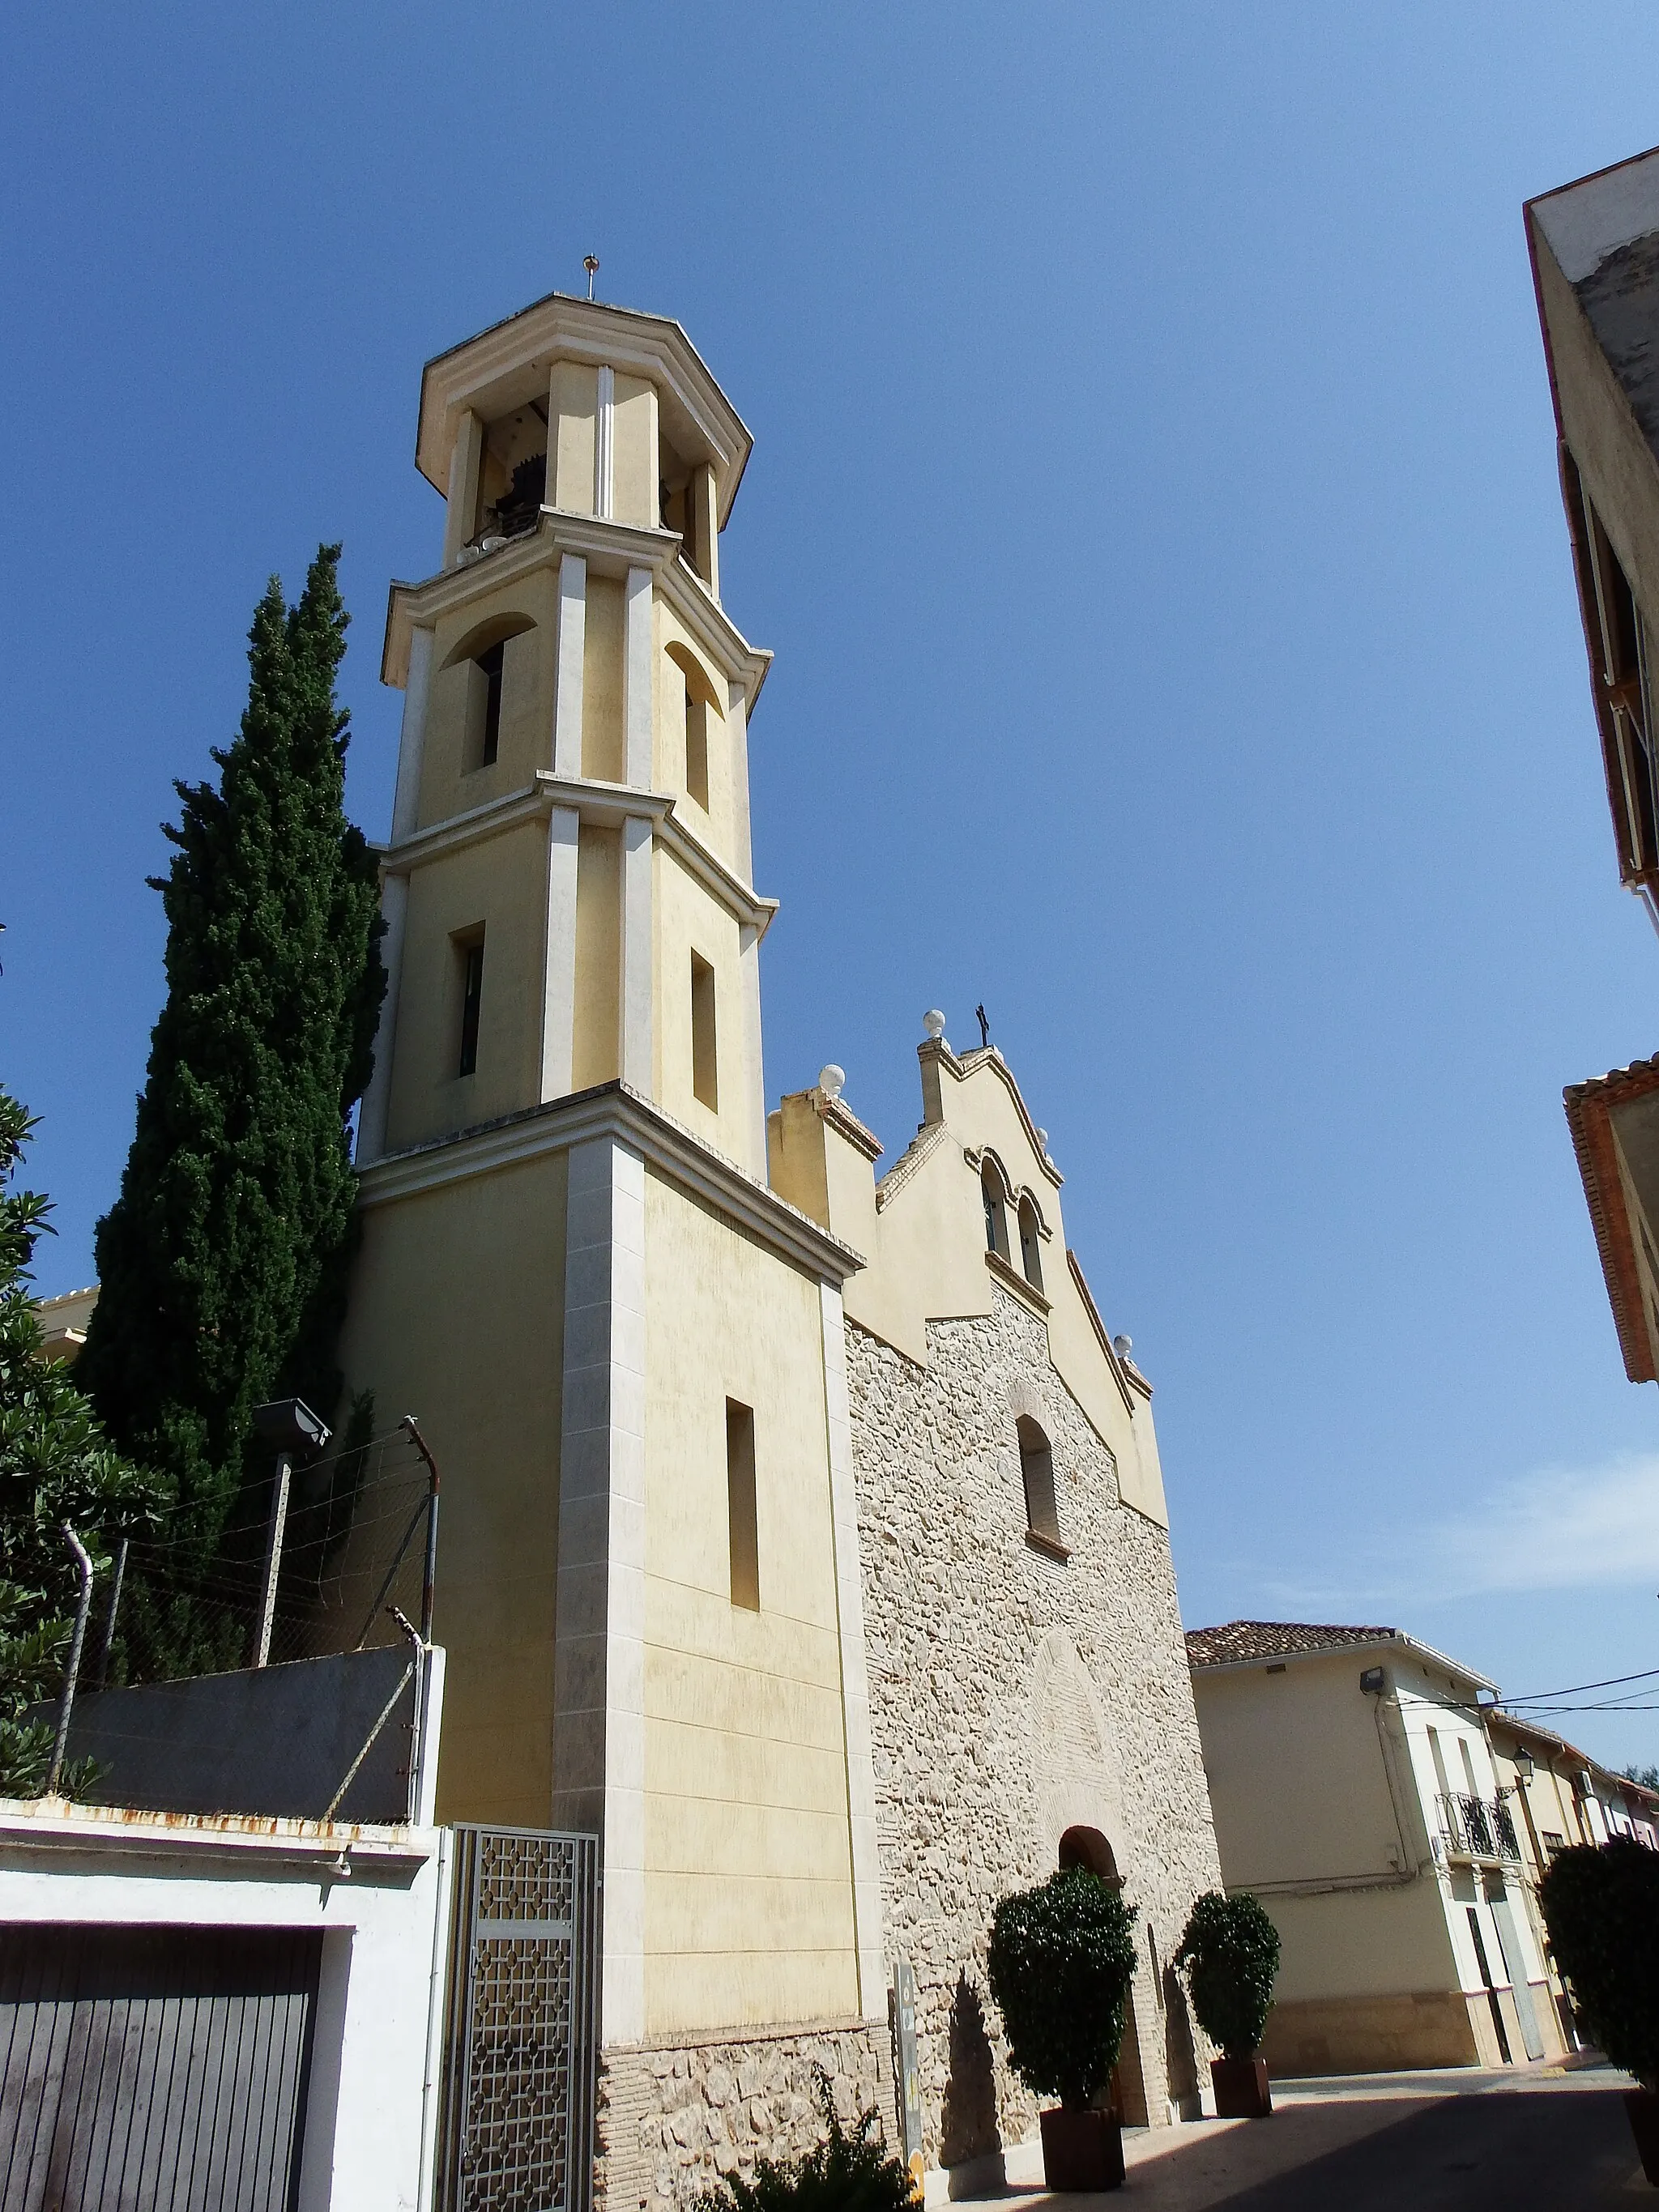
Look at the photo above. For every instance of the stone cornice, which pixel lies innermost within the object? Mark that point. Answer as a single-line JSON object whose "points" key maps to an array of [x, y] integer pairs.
{"points": [[606, 804], [1122, 1375], [613, 1110], [612, 546]]}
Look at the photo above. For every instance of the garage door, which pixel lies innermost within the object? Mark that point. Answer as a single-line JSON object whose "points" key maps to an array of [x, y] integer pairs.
{"points": [[154, 2069]]}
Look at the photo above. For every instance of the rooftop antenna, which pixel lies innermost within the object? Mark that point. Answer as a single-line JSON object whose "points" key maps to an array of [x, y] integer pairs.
{"points": [[980, 1017], [591, 262]]}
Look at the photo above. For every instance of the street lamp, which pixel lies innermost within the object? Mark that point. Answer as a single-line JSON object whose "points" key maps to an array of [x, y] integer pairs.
{"points": [[290, 1427]]}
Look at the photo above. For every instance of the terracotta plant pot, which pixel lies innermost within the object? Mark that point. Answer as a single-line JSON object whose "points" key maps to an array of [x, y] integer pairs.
{"points": [[1081, 2150], [1643, 2105], [1241, 2088]]}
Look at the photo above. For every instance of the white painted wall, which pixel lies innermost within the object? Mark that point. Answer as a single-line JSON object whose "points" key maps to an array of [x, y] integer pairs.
{"points": [[369, 2121]]}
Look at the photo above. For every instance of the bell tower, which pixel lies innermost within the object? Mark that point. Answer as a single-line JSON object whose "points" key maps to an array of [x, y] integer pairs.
{"points": [[625, 1347], [567, 887]]}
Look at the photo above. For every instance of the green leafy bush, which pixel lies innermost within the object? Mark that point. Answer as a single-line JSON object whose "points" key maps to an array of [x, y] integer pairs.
{"points": [[1062, 1959], [849, 2172], [56, 1465], [1229, 1951], [1602, 1906]]}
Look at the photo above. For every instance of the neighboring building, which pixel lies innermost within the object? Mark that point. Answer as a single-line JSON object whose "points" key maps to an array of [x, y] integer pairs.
{"points": [[1594, 248], [804, 1537], [1560, 1797], [64, 1323], [1355, 1794]]}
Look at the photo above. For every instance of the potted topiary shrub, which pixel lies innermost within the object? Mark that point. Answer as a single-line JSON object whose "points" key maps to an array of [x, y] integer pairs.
{"points": [[1602, 1907], [1061, 1960], [1229, 1952]]}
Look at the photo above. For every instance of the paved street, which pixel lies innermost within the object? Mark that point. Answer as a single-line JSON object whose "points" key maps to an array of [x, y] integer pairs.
{"points": [[1462, 2141]]}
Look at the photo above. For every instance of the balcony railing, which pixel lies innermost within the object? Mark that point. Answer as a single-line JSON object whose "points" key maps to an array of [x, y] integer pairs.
{"points": [[1477, 1828]]}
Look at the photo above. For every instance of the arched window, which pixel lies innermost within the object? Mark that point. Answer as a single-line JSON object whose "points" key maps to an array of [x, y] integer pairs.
{"points": [[1030, 1257], [486, 655], [996, 1210], [1037, 1467], [1088, 1849], [703, 715]]}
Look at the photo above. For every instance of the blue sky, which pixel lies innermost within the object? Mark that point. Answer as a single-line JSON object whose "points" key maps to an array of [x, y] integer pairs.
{"points": [[1154, 515]]}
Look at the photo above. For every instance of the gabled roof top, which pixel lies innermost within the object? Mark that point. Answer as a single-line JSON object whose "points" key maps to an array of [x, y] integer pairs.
{"points": [[1272, 1639], [1244, 1642]]}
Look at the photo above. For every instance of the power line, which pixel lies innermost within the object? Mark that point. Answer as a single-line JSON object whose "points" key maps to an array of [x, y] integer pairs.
{"points": [[1537, 1696]]}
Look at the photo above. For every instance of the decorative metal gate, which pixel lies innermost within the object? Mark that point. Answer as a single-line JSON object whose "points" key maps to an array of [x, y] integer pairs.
{"points": [[521, 2033]]}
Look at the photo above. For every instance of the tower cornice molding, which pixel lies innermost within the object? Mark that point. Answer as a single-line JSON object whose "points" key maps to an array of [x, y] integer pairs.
{"points": [[613, 1110], [606, 805], [609, 547], [511, 360]]}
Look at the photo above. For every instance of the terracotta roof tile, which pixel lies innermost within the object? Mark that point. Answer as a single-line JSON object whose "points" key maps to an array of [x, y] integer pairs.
{"points": [[1272, 1639]]}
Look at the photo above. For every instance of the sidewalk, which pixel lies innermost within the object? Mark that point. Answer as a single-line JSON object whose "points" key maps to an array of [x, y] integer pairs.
{"points": [[1544, 2139]]}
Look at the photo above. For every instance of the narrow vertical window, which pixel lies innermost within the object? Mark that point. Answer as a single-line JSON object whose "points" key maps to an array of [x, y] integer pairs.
{"points": [[697, 748], [491, 663], [471, 957], [742, 1520], [1037, 1467], [996, 1216], [1030, 1258], [705, 1087]]}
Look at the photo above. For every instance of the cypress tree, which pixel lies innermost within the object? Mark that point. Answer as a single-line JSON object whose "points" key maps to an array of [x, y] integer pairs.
{"points": [[223, 1264]]}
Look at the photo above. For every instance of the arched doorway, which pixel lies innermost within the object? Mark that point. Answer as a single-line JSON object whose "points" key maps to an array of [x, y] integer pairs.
{"points": [[1088, 1848]]}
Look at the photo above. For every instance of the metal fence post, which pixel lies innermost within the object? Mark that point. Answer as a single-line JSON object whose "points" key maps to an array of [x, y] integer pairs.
{"points": [[273, 1559], [114, 1608], [67, 1702]]}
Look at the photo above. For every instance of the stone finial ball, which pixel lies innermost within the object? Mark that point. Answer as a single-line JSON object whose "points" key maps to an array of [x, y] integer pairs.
{"points": [[933, 1022], [832, 1080], [1123, 1345]]}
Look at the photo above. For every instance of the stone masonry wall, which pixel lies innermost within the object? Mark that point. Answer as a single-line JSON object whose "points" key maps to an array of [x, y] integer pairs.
{"points": [[1013, 1695], [673, 2117]]}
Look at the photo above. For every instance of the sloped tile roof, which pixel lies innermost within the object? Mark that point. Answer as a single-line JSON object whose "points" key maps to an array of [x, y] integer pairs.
{"points": [[1272, 1639]]}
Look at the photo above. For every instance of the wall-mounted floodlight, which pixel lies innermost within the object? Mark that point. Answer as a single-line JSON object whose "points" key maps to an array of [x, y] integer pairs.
{"points": [[287, 1424], [1373, 1682]]}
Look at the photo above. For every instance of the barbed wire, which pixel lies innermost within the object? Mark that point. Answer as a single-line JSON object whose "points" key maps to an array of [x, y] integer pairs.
{"points": [[353, 1543]]}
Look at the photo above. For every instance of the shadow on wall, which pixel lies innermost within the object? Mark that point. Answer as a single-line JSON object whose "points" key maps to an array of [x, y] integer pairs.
{"points": [[1179, 2051], [968, 2121]]}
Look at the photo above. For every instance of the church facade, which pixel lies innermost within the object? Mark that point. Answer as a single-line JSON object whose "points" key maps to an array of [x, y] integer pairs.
{"points": [[804, 1537]]}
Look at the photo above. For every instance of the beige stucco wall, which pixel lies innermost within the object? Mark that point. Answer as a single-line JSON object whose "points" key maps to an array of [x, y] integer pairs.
{"points": [[749, 1911], [574, 404], [432, 1331], [603, 641], [498, 883], [634, 491], [1297, 1779]]}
